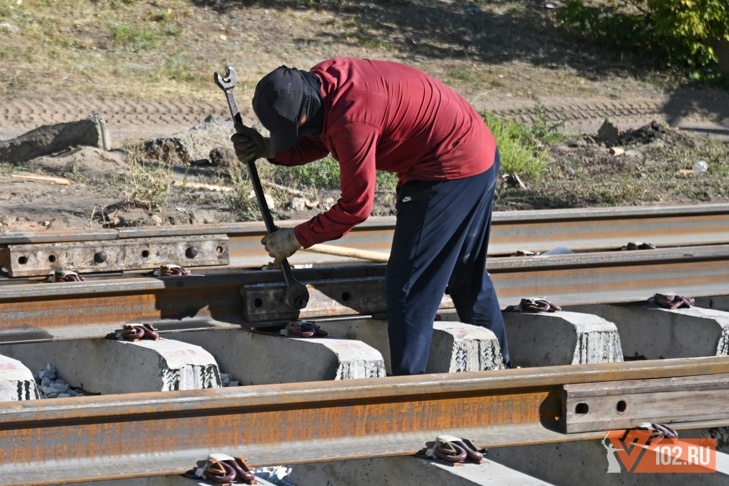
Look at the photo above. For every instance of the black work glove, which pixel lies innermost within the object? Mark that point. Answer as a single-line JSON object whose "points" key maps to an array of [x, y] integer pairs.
{"points": [[250, 145]]}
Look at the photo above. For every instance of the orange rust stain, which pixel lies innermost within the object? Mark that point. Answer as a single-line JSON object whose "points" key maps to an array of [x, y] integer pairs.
{"points": [[129, 435]]}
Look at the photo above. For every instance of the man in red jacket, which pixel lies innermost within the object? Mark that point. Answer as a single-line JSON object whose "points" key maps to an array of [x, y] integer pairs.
{"points": [[379, 115]]}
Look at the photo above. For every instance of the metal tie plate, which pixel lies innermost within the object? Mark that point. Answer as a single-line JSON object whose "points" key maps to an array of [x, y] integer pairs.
{"points": [[29, 260]]}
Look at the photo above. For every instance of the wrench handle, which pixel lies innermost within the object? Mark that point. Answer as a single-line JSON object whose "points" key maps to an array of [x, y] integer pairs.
{"points": [[233, 106], [256, 181], [270, 226], [297, 294], [261, 197]]}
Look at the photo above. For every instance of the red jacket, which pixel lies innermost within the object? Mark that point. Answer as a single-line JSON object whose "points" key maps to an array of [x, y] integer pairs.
{"points": [[383, 115]]}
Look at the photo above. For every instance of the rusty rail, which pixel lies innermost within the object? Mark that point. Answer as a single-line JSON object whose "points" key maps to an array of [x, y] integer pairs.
{"points": [[539, 231], [43, 311], [121, 436]]}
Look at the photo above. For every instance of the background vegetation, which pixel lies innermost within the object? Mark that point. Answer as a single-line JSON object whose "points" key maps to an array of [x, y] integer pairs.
{"points": [[679, 34], [488, 51]]}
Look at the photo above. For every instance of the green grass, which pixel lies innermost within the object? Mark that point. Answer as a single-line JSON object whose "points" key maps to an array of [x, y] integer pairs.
{"points": [[471, 74], [179, 67], [135, 37], [149, 185], [323, 174], [518, 148]]}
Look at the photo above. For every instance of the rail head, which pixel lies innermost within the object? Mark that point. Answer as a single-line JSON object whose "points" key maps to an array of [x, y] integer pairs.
{"points": [[302, 422], [288, 395]]}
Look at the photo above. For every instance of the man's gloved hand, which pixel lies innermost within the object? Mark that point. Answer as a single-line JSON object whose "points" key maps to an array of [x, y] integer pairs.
{"points": [[250, 145], [281, 244]]}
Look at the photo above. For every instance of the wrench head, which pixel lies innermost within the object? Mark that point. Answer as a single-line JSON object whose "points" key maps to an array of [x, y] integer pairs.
{"points": [[227, 81], [297, 296]]}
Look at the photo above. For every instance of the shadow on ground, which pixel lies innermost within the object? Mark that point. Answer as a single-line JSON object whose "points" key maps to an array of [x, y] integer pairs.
{"points": [[503, 31]]}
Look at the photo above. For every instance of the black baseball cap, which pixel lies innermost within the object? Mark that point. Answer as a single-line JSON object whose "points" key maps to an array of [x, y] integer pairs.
{"points": [[277, 103]]}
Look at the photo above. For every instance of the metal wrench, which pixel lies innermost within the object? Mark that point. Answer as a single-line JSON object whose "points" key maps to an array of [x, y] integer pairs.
{"points": [[297, 295]]}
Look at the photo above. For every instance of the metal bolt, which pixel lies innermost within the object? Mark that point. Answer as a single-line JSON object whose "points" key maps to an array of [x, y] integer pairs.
{"points": [[191, 252], [100, 257]]}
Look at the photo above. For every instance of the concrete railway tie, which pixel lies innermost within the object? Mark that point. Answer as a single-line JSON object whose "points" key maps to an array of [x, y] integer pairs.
{"points": [[357, 348], [322, 406]]}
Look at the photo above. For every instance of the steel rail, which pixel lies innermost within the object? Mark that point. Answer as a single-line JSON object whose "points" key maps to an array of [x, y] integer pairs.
{"points": [[123, 436], [538, 231], [93, 308]]}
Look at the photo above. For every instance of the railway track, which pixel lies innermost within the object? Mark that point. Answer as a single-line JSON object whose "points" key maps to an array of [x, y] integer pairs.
{"points": [[296, 407]]}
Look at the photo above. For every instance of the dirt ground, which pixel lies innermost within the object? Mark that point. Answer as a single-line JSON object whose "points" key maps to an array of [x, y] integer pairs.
{"points": [[509, 62]]}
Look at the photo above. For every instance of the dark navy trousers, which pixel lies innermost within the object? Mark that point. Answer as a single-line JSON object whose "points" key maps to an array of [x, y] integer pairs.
{"points": [[441, 240]]}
